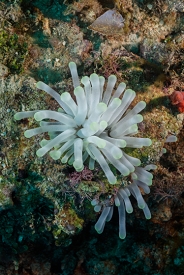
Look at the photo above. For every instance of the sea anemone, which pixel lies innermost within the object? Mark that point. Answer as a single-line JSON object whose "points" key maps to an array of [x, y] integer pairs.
{"points": [[96, 126]]}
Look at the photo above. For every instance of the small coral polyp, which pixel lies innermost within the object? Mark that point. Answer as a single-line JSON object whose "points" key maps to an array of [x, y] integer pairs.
{"points": [[95, 127]]}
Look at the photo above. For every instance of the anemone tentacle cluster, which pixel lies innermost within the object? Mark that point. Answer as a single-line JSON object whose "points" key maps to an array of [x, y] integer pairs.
{"points": [[95, 127], [139, 178]]}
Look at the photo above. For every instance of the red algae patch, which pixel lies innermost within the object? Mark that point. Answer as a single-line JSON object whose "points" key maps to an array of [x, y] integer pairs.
{"points": [[177, 98]]}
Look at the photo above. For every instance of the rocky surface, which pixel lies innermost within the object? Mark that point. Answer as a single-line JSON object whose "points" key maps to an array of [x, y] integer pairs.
{"points": [[41, 209]]}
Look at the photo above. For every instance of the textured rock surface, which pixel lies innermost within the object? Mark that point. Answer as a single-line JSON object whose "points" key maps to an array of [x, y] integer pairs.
{"points": [[44, 217]]}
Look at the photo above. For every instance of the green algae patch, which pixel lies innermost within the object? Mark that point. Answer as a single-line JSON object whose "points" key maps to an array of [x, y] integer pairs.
{"points": [[12, 51], [6, 188], [66, 221]]}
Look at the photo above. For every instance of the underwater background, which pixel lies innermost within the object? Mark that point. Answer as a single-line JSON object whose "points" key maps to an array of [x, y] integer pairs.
{"points": [[46, 217]]}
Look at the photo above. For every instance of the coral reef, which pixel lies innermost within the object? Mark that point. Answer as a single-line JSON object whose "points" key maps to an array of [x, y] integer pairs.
{"points": [[148, 58]]}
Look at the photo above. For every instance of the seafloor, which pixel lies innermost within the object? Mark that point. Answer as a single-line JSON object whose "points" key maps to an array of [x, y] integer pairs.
{"points": [[46, 219]]}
